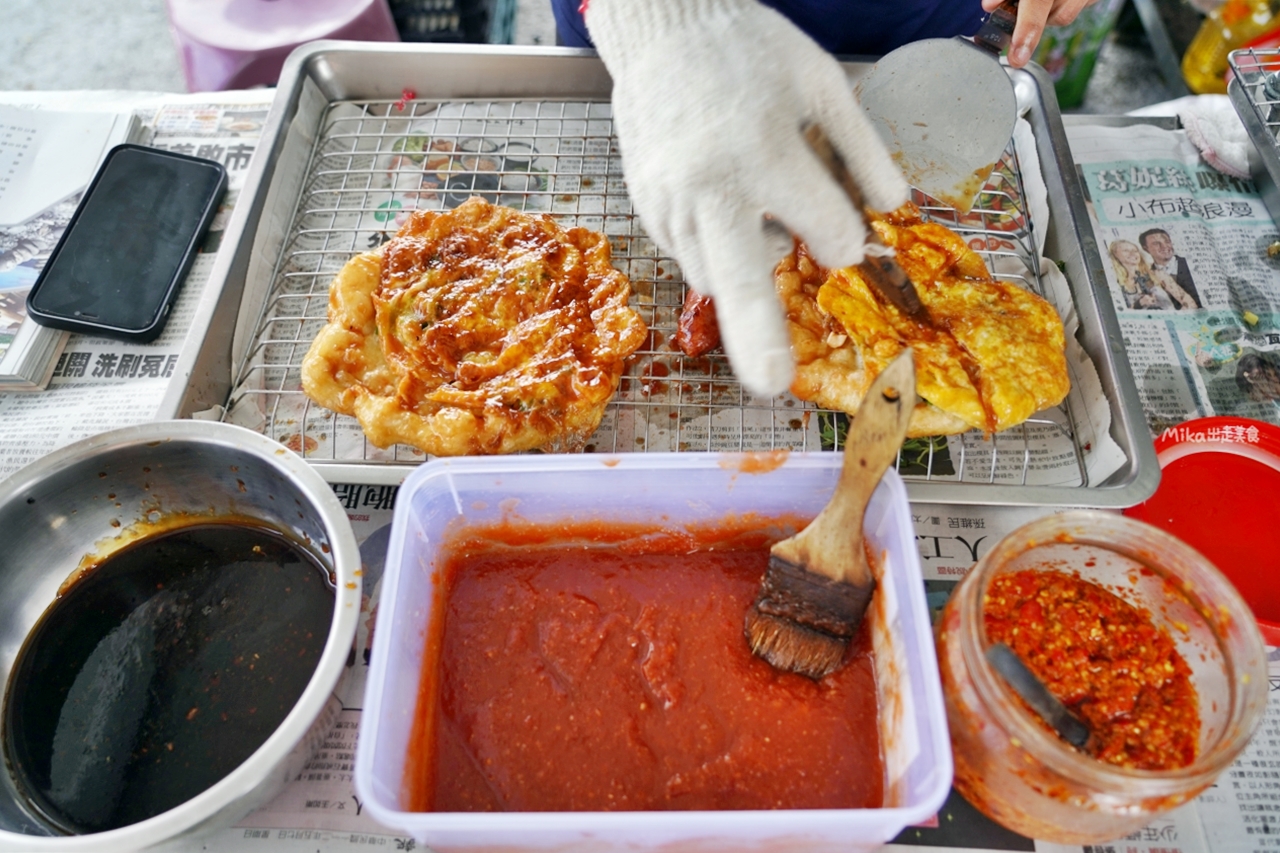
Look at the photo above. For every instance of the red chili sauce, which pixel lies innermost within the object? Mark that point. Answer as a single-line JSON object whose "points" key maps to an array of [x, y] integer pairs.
{"points": [[1105, 660], [571, 678]]}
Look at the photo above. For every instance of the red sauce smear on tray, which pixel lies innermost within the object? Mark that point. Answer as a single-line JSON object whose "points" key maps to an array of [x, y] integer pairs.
{"points": [[1105, 660], [571, 678]]}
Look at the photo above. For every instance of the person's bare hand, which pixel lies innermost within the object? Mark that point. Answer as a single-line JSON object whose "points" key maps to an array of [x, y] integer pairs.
{"points": [[1147, 301], [1033, 17]]}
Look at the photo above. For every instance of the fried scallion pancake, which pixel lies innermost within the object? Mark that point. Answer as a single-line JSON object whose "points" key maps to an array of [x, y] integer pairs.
{"points": [[476, 330], [991, 355]]}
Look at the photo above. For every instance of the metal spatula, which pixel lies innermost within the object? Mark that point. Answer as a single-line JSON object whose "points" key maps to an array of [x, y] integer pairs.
{"points": [[946, 108]]}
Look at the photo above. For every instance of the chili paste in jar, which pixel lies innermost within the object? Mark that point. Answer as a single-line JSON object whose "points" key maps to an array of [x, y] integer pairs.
{"points": [[616, 677], [1105, 660]]}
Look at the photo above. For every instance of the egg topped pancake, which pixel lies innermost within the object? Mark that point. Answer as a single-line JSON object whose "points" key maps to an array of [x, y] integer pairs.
{"points": [[476, 330], [989, 356]]}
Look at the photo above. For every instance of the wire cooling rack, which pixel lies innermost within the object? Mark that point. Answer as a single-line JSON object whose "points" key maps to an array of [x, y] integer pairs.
{"points": [[1257, 70], [1255, 94], [373, 161]]}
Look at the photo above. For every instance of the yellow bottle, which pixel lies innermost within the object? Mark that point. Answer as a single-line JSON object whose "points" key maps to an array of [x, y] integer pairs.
{"points": [[1226, 28]]}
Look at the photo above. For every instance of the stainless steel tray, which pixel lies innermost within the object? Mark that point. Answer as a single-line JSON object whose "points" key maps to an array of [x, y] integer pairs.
{"points": [[1255, 94], [531, 127]]}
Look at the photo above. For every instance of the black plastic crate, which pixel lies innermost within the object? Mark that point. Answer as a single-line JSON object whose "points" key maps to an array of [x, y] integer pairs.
{"points": [[470, 21]]}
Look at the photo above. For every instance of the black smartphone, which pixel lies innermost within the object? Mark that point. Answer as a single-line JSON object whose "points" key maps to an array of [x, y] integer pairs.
{"points": [[117, 268]]}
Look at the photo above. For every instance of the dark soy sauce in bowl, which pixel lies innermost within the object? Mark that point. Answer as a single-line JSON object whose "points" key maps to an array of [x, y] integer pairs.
{"points": [[160, 670]]}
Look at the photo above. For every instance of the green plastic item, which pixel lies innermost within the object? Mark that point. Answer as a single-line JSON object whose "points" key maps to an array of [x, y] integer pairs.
{"points": [[1069, 53]]}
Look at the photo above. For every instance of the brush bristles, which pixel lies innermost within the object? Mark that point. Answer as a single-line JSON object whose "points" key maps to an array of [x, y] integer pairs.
{"points": [[802, 621], [791, 646]]}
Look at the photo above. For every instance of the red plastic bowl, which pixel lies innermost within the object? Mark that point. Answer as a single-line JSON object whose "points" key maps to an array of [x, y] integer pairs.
{"points": [[1220, 493]]}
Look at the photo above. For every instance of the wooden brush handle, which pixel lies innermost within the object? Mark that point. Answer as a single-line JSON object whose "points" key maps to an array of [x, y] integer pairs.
{"points": [[832, 543], [881, 271]]}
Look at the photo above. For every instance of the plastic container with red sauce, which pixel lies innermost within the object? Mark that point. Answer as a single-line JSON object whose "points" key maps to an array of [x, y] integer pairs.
{"points": [[674, 495], [1020, 773]]}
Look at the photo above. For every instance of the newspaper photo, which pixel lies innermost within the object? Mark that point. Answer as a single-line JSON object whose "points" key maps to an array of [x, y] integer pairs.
{"points": [[1192, 259]]}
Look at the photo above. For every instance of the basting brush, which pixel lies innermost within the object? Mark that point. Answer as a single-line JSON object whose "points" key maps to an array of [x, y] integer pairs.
{"points": [[818, 584]]}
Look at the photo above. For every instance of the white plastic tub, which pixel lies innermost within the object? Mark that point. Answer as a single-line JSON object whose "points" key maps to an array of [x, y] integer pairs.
{"points": [[677, 489]]}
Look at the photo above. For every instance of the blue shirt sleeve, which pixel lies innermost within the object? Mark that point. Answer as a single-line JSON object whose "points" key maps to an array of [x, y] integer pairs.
{"points": [[869, 27]]}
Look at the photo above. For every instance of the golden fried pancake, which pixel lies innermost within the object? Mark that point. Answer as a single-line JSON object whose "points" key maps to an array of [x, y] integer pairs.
{"points": [[476, 330], [991, 355]]}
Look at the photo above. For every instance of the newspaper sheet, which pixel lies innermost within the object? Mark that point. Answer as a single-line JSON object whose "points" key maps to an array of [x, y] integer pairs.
{"points": [[1193, 262], [47, 158], [100, 384]]}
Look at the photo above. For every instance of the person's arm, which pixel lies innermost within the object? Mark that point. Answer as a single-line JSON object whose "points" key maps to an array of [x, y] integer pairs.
{"points": [[1163, 279], [710, 102], [1033, 16]]}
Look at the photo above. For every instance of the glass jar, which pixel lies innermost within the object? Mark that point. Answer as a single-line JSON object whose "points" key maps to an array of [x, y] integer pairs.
{"points": [[1018, 771]]}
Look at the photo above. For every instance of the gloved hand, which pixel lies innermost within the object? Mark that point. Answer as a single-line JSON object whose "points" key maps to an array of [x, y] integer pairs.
{"points": [[710, 101]]}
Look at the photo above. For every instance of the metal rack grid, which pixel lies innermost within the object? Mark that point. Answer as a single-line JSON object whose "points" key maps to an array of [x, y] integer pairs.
{"points": [[374, 160], [1254, 89], [1257, 70]]}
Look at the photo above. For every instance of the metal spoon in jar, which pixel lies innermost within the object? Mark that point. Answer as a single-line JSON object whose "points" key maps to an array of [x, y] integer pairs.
{"points": [[1032, 690]]}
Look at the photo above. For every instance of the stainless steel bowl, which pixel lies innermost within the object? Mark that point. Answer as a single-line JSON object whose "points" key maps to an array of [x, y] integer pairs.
{"points": [[88, 498]]}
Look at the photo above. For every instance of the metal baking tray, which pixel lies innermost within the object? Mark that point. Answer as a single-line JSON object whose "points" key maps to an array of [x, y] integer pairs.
{"points": [[531, 127], [1255, 93]]}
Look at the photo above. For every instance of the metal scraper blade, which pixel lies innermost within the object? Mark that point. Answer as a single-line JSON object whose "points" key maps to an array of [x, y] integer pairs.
{"points": [[946, 110]]}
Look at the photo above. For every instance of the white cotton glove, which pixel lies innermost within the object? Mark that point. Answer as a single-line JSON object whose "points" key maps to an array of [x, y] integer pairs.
{"points": [[710, 101]]}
